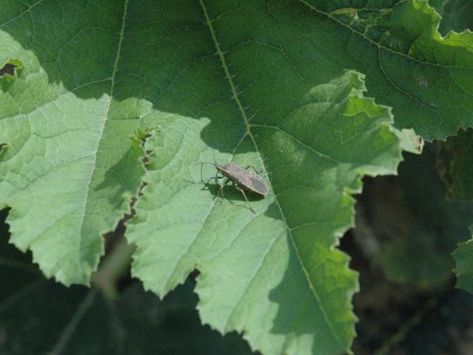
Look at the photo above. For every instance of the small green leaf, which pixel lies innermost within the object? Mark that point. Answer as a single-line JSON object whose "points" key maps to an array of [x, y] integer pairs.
{"points": [[464, 265], [412, 225]]}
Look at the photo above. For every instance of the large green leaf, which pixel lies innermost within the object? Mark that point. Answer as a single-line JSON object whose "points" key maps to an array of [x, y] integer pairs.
{"points": [[273, 274], [98, 51], [69, 79], [257, 82]]}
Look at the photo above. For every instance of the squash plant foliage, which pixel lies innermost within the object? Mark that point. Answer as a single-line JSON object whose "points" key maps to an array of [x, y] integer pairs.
{"points": [[107, 108]]}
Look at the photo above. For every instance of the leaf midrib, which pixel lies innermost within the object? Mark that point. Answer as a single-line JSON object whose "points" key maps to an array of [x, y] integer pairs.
{"points": [[102, 128], [237, 100]]}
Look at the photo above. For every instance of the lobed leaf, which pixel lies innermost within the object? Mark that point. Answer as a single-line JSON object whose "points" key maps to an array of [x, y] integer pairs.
{"points": [[64, 172], [273, 275], [263, 83]]}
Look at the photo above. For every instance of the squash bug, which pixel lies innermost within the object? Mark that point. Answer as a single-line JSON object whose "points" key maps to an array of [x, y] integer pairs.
{"points": [[243, 180]]}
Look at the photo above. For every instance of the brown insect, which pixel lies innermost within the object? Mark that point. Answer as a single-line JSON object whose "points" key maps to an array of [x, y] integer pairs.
{"points": [[244, 180]]}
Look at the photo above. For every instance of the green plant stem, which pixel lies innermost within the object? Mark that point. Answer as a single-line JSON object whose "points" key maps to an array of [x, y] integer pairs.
{"points": [[112, 268]]}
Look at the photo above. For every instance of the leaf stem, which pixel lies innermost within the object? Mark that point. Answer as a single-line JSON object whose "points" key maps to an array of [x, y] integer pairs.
{"points": [[112, 268]]}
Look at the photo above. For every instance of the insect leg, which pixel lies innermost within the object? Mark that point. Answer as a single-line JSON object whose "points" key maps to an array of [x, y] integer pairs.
{"points": [[208, 180], [246, 198], [214, 179], [220, 190]]}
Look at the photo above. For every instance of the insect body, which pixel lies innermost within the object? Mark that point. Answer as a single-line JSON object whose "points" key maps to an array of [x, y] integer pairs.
{"points": [[243, 179]]}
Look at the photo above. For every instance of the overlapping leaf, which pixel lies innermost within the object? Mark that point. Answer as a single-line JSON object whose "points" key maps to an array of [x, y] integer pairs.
{"points": [[464, 265], [456, 166], [458, 16], [263, 83]]}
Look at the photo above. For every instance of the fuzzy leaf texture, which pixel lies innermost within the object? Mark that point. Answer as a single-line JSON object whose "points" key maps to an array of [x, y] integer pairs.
{"points": [[263, 83]]}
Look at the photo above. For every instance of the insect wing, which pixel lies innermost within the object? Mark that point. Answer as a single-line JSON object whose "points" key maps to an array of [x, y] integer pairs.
{"points": [[245, 179], [259, 186]]}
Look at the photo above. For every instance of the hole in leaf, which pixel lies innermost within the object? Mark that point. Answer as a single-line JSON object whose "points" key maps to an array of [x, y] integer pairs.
{"points": [[11, 68], [8, 69], [8, 73]]}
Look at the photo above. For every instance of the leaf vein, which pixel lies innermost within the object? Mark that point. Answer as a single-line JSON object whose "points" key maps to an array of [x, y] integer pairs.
{"points": [[333, 18], [27, 11], [248, 128], [102, 128]]}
